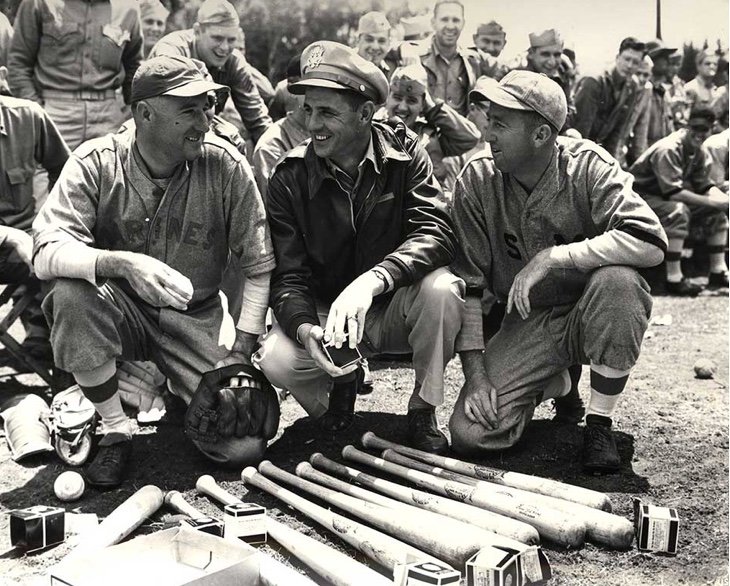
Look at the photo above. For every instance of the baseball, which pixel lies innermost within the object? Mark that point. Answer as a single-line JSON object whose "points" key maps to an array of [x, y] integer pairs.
{"points": [[69, 486], [705, 368]]}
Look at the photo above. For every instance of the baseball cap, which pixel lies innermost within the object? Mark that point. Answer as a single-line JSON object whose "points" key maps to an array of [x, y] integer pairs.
{"points": [[491, 28], [218, 12], [545, 38], [327, 64], [372, 23], [528, 91], [170, 75], [656, 48]]}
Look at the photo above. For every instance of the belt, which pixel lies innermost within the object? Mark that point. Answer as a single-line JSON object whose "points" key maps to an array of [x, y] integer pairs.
{"points": [[92, 95]]}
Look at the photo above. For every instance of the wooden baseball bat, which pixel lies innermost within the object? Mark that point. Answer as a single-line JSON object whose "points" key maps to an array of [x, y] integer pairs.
{"points": [[271, 572], [601, 527], [448, 539], [546, 486], [334, 566], [379, 547], [488, 520], [176, 501], [550, 524], [122, 520]]}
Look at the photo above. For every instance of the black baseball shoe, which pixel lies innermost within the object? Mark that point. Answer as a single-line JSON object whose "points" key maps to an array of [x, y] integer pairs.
{"points": [[340, 414], [600, 454], [569, 410], [424, 433], [111, 461], [683, 288], [718, 280]]}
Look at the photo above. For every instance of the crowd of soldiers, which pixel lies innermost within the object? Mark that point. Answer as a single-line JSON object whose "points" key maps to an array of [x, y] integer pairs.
{"points": [[385, 196]]}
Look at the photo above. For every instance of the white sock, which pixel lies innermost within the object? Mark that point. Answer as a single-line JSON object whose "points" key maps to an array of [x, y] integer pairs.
{"points": [[113, 418], [606, 386]]}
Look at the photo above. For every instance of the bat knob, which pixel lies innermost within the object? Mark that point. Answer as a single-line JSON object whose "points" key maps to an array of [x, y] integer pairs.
{"points": [[171, 494], [348, 450], [366, 438], [303, 468], [249, 472], [316, 457]]}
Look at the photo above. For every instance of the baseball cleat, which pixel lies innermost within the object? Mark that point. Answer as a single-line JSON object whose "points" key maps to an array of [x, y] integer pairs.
{"points": [[569, 410], [718, 281], [110, 464], [683, 288], [600, 454]]}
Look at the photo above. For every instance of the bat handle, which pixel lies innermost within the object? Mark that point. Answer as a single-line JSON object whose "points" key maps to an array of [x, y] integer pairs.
{"points": [[206, 484], [176, 501]]}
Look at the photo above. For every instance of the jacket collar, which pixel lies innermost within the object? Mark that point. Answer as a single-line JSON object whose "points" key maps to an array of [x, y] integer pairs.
{"points": [[384, 144]]}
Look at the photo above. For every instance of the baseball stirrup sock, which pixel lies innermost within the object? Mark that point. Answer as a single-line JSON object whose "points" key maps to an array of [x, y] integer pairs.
{"points": [[606, 386], [673, 261], [716, 253], [108, 405]]}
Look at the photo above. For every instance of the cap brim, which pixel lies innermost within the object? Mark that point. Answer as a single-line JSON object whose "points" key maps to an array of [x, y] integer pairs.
{"points": [[300, 86], [499, 96], [195, 88]]}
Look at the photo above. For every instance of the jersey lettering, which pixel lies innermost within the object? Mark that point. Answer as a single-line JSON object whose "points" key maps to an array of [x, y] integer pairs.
{"points": [[511, 241]]}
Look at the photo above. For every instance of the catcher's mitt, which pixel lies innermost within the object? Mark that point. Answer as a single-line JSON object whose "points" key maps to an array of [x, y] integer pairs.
{"points": [[234, 400]]}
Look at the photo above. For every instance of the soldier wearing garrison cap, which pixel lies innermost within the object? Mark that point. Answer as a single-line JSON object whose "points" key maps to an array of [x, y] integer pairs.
{"points": [[212, 40], [443, 132], [362, 236], [373, 39], [490, 38], [552, 228]]}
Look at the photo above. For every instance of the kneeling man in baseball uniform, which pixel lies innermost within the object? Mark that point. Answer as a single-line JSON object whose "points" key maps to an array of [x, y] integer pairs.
{"points": [[362, 236], [137, 231], [551, 227]]}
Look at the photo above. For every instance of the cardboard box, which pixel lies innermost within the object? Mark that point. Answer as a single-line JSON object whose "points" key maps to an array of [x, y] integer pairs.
{"points": [[245, 521], [505, 566], [428, 574], [206, 525], [657, 528], [174, 557], [37, 527]]}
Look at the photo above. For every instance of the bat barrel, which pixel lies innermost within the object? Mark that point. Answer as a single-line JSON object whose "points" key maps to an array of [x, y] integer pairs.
{"points": [[554, 525], [482, 518]]}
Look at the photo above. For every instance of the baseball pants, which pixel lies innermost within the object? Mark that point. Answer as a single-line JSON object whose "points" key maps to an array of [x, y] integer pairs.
{"points": [[680, 219], [423, 318], [525, 357]]}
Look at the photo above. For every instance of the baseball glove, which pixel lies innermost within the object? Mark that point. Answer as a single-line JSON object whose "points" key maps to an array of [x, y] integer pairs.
{"points": [[234, 400]]}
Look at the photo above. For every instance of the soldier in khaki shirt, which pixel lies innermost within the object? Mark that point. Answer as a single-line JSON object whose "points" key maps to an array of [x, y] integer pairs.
{"points": [[72, 56]]}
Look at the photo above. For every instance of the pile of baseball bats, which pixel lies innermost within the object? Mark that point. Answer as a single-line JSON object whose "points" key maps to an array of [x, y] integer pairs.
{"points": [[456, 509]]}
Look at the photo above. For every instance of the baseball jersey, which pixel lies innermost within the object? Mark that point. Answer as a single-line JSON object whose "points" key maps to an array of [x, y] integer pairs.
{"points": [[671, 165], [583, 204], [210, 207]]}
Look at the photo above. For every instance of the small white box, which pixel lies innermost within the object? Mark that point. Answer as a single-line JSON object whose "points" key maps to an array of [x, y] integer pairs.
{"points": [[657, 528], [505, 566], [245, 521], [426, 573]]}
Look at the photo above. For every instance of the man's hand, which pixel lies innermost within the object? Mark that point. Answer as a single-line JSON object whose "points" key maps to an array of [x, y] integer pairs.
{"points": [[480, 397], [241, 350], [156, 283], [311, 337], [347, 313], [22, 243], [526, 279]]}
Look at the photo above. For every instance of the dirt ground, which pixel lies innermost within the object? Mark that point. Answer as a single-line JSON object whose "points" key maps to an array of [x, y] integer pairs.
{"points": [[673, 439]]}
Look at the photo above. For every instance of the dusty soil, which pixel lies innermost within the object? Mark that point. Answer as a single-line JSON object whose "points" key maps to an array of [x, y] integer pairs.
{"points": [[673, 438]]}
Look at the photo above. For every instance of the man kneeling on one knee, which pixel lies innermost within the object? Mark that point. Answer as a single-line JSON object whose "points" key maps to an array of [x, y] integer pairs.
{"points": [[361, 233], [551, 226], [138, 231]]}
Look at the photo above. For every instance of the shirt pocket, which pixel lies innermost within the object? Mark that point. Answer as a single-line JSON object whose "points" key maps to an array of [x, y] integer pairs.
{"points": [[21, 187], [113, 39], [59, 42]]}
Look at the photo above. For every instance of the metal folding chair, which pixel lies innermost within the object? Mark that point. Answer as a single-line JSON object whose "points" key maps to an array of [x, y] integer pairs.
{"points": [[10, 343]]}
